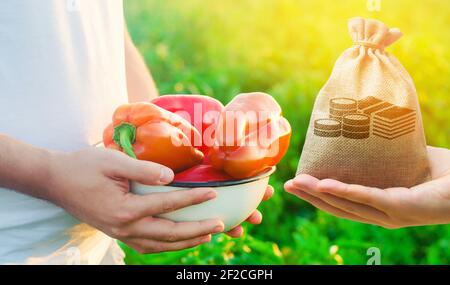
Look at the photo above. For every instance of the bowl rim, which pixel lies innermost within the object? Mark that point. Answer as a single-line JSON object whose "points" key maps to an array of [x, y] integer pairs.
{"points": [[263, 175]]}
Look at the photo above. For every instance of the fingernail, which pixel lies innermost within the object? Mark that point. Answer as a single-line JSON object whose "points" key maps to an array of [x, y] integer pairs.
{"points": [[166, 175], [260, 218], [206, 239], [219, 228], [211, 194]]}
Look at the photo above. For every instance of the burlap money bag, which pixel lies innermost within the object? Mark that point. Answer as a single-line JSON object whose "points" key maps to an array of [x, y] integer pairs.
{"points": [[366, 126]]}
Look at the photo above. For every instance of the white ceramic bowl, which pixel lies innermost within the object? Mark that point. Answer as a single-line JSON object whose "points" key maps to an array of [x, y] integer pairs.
{"points": [[234, 203]]}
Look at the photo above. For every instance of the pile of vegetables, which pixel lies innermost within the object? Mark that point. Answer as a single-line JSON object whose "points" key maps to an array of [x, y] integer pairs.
{"points": [[200, 139]]}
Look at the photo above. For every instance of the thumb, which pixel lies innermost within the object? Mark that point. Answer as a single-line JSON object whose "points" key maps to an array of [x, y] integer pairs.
{"points": [[141, 171]]}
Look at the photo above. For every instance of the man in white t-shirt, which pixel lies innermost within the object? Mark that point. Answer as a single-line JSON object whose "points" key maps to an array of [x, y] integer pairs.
{"points": [[64, 67]]}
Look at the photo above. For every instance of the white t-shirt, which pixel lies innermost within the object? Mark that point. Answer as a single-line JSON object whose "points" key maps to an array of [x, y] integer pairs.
{"points": [[62, 73]]}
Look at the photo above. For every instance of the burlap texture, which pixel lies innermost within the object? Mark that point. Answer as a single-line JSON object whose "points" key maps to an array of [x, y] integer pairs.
{"points": [[385, 145]]}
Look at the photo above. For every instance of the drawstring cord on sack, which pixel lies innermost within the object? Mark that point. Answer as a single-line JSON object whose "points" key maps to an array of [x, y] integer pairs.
{"points": [[367, 44]]}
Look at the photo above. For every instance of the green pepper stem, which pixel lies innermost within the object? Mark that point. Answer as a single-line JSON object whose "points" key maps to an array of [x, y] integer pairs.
{"points": [[125, 136]]}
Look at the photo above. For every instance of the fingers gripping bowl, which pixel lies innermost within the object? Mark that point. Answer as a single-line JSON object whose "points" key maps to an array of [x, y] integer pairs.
{"points": [[234, 203]]}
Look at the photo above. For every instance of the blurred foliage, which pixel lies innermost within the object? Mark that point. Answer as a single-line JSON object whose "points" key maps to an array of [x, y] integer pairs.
{"points": [[287, 48]]}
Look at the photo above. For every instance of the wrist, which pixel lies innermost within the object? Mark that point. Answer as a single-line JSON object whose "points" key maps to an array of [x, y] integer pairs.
{"points": [[27, 169], [51, 181]]}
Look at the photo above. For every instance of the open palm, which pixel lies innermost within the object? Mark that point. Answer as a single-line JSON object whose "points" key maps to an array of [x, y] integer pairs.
{"points": [[424, 204]]}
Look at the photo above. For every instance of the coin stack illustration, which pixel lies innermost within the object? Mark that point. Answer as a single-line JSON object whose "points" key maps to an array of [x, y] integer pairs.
{"points": [[394, 122], [339, 107], [354, 119], [327, 128], [356, 126]]}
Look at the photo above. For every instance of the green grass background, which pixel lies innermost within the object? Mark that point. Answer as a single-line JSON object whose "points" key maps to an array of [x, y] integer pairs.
{"points": [[287, 48]]}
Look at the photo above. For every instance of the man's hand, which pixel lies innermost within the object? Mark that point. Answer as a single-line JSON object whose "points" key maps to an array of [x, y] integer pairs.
{"points": [[93, 186], [425, 204]]}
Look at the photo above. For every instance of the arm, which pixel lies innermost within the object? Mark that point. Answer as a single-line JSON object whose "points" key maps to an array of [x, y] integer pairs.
{"points": [[140, 84], [425, 204], [100, 176], [24, 168]]}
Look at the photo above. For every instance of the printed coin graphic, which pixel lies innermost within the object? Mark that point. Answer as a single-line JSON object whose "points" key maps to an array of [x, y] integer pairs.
{"points": [[352, 128], [356, 120], [343, 104], [340, 112], [356, 126], [327, 134], [329, 128], [327, 124], [355, 135]]}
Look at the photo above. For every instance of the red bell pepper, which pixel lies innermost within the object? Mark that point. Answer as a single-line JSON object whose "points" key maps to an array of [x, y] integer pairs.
{"points": [[202, 112], [202, 173], [148, 132], [251, 136]]}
